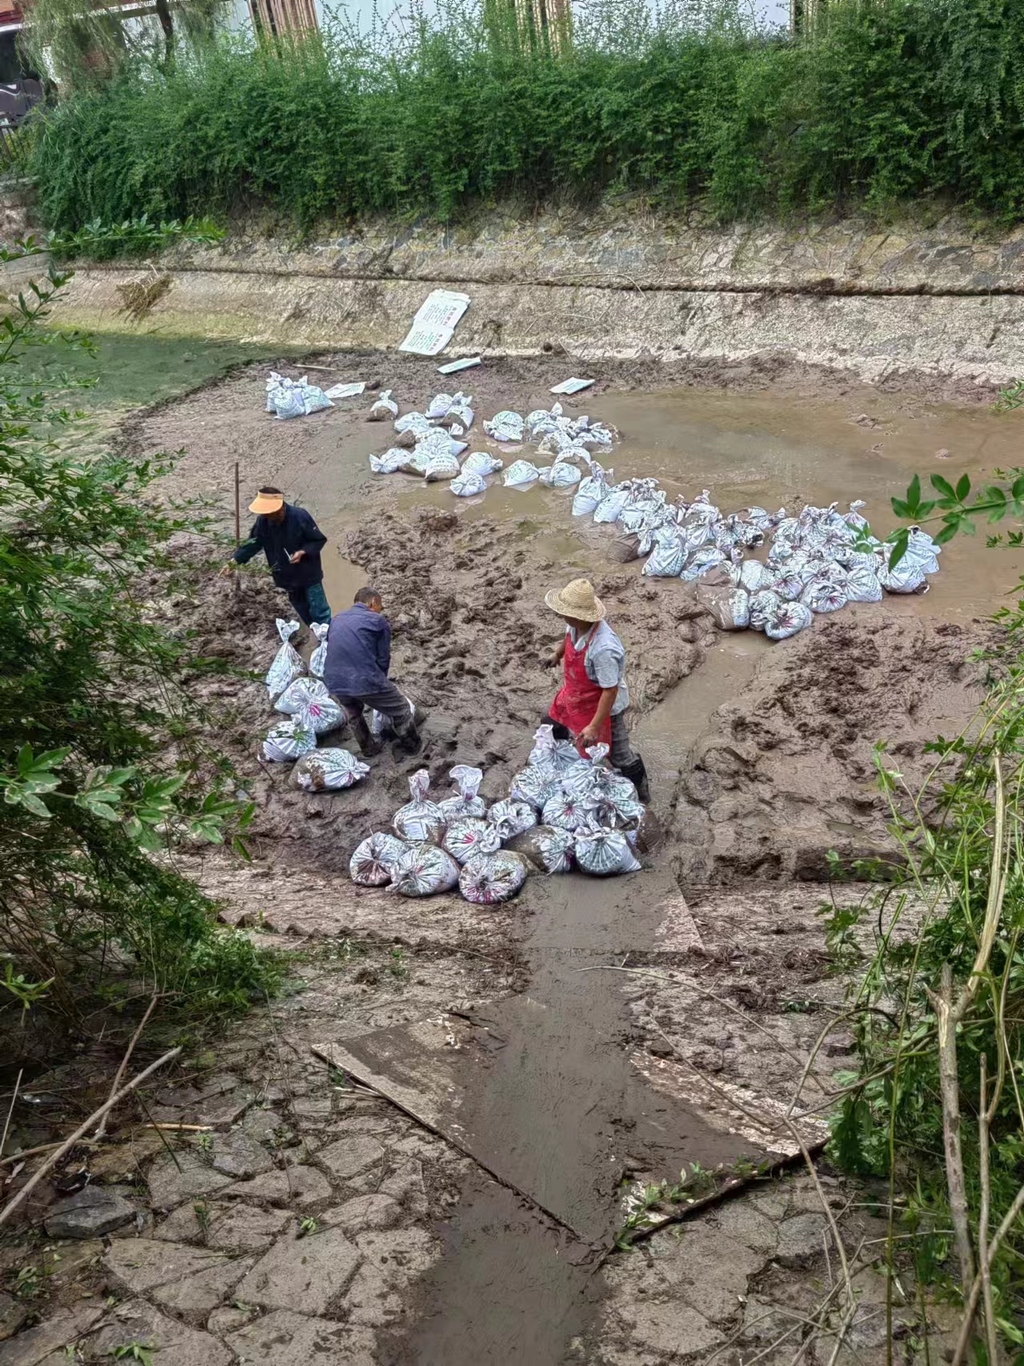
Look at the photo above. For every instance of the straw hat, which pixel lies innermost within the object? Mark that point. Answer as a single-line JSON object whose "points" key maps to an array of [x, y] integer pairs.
{"points": [[266, 502], [577, 600]]}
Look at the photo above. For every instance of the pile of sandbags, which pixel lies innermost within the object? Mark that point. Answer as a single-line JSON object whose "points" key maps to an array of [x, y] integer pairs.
{"points": [[817, 561], [563, 811], [309, 712]]}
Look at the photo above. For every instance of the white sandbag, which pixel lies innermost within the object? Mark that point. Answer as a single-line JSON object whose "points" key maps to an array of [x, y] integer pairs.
{"points": [[863, 583], [587, 771], [611, 506], [762, 606], [511, 818], [489, 879], [390, 462], [754, 575], [548, 849], [289, 740], [412, 427], [294, 398], [459, 414], [605, 853], [416, 460], [382, 408], [826, 592], [923, 549], [424, 870], [533, 785], [519, 474], [310, 695], [329, 770], [287, 663], [467, 800], [554, 443], [418, 819], [907, 577], [788, 620], [567, 810], [729, 607], [787, 583], [441, 465], [481, 462], [438, 406], [467, 484], [469, 836], [374, 859], [505, 426], [701, 562], [547, 752], [560, 475], [668, 556], [590, 492], [318, 659]]}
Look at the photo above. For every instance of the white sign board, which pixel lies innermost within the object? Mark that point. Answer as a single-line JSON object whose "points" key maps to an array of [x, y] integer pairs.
{"points": [[434, 324]]}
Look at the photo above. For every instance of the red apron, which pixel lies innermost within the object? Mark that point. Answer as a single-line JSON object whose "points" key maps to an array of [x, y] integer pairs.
{"points": [[576, 701]]}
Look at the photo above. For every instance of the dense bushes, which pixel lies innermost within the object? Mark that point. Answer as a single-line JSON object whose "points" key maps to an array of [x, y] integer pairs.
{"points": [[889, 102], [102, 757]]}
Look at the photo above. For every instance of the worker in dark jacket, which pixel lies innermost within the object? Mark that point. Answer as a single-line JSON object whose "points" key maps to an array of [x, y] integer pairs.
{"points": [[292, 542], [356, 674]]}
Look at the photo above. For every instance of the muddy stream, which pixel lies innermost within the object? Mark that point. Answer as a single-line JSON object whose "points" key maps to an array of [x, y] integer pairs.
{"points": [[553, 1100]]}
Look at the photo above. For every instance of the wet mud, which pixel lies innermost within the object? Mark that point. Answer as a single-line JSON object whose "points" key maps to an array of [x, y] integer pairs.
{"points": [[761, 760]]}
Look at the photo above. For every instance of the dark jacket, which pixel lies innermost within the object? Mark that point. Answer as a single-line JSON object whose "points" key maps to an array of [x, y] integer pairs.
{"points": [[278, 540], [358, 652]]}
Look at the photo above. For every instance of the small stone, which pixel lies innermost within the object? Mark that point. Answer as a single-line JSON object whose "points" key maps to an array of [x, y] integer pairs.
{"points": [[800, 1240], [261, 1125], [297, 1186], [350, 1156], [173, 1343], [229, 1318], [285, 1338], [309, 1271], [12, 1315], [365, 1212], [90, 1213], [140, 1264], [63, 1329], [240, 1156]]}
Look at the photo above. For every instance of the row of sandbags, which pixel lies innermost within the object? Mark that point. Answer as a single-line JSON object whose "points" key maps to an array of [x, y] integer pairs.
{"points": [[562, 812], [308, 712]]}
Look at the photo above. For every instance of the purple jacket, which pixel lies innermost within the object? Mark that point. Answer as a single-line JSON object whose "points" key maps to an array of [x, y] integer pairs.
{"points": [[358, 652]]}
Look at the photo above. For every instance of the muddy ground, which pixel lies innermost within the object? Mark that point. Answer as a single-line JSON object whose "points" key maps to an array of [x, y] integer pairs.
{"points": [[585, 1036]]}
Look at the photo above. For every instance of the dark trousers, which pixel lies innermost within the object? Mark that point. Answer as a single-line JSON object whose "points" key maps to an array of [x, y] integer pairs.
{"points": [[621, 754], [310, 604], [388, 701]]}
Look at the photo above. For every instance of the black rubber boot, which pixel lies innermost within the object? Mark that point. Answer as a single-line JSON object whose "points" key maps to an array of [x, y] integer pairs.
{"points": [[637, 775], [407, 743], [368, 744]]}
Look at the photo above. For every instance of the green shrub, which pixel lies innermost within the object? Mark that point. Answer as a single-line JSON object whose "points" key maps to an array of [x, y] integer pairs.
{"points": [[888, 103], [103, 763]]}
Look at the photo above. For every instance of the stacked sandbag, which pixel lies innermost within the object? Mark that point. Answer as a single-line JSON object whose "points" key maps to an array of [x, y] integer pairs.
{"points": [[563, 811]]}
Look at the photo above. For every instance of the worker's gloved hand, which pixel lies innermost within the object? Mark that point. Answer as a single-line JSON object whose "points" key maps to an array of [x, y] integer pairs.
{"points": [[228, 570]]}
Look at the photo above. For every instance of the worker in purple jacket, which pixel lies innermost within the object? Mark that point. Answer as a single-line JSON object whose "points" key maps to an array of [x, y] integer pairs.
{"points": [[356, 674]]}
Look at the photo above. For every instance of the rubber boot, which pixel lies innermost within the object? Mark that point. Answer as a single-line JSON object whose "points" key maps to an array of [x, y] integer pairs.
{"points": [[368, 744], [637, 775], [407, 743]]}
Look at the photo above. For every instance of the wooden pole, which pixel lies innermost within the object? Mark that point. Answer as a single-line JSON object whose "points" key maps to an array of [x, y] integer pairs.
{"points": [[238, 508]]}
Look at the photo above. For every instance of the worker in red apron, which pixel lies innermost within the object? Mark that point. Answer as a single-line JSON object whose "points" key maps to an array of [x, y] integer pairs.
{"points": [[591, 705]]}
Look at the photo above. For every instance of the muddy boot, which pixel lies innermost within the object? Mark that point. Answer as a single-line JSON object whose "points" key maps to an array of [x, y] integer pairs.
{"points": [[637, 775], [407, 743], [368, 744]]}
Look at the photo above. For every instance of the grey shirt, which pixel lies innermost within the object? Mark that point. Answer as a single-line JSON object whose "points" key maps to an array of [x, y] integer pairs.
{"points": [[605, 660]]}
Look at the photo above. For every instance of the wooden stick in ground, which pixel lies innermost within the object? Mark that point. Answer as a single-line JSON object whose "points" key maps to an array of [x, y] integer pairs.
{"points": [[966, 1327], [10, 1112], [80, 1133], [988, 1308], [101, 1128]]}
